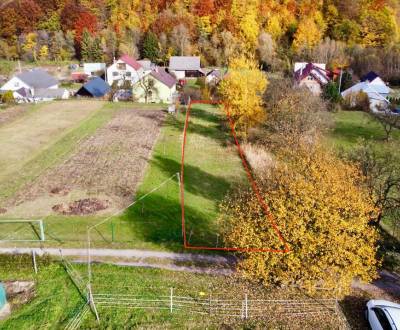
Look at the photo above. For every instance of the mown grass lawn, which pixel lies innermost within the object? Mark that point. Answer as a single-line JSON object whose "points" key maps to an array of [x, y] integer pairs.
{"points": [[350, 127]]}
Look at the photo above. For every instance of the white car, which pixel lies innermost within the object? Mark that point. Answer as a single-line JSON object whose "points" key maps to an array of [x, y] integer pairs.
{"points": [[383, 315]]}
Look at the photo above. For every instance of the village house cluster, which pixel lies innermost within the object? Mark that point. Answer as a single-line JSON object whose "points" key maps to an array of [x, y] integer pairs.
{"points": [[315, 76], [125, 79]]}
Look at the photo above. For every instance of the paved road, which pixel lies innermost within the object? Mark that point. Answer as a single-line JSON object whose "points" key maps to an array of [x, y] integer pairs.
{"points": [[124, 254]]}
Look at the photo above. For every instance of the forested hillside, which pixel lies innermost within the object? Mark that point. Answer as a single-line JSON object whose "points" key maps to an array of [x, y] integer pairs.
{"points": [[363, 32]]}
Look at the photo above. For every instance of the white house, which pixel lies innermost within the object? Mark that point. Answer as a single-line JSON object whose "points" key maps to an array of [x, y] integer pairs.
{"points": [[124, 69], [33, 86], [374, 87], [185, 67], [92, 69], [159, 86], [32, 79], [313, 76]]}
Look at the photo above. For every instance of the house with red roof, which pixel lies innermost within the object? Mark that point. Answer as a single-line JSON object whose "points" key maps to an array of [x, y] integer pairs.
{"points": [[124, 69], [313, 76], [157, 86]]}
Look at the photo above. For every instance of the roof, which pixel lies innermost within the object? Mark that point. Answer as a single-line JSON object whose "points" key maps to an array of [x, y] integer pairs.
{"points": [[370, 76], [96, 87], [377, 92], [310, 69], [24, 92], [50, 93], [182, 63], [215, 72], [37, 78], [146, 64], [164, 77], [394, 313], [130, 61]]}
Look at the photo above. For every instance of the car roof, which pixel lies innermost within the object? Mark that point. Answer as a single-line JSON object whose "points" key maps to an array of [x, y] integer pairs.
{"points": [[394, 313]]}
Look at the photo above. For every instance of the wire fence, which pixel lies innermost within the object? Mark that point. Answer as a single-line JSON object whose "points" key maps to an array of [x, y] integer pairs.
{"points": [[245, 308]]}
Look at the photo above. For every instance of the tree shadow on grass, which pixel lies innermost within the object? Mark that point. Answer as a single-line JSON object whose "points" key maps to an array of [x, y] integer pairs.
{"points": [[157, 219], [196, 181], [206, 124]]}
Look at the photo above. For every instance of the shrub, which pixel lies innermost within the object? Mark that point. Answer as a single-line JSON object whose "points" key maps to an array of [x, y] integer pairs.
{"points": [[8, 97]]}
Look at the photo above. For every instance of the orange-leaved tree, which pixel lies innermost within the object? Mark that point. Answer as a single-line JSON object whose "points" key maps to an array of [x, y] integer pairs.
{"points": [[241, 91], [323, 213]]}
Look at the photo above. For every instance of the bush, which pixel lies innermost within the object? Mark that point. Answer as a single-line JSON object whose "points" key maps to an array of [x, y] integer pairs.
{"points": [[357, 101], [8, 97]]}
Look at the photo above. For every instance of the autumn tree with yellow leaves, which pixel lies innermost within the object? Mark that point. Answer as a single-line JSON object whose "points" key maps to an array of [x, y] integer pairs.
{"points": [[323, 213], [241, 92]]}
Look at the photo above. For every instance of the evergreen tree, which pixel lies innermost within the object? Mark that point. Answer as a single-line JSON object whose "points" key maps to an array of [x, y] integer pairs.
{"points": [[96, 52], [86, 45], [150, 47]]}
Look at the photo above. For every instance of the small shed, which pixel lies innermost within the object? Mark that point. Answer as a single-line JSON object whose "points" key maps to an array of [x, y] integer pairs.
{"points": [[96, 87]]}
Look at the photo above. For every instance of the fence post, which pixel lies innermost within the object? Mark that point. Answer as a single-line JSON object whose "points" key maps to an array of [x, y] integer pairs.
{"points": [[246, 311], [209, 304], [34, 261], [171, 294]]}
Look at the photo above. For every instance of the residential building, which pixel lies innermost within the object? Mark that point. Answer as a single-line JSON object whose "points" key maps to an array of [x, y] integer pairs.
{"points": [[95, 87], [185, 67], [374, 87], [94, 69], [34, 86], [124, 69], [313, 76], [157, 86], [214, 76], [32, 79]]}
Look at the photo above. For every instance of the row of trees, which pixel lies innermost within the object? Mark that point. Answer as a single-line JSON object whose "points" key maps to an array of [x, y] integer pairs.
{"points": [[216, 29], [324, 206]]}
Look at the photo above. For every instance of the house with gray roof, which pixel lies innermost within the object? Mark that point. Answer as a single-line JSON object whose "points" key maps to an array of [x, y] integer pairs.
{"points": [[34, 85], [185, 67]]}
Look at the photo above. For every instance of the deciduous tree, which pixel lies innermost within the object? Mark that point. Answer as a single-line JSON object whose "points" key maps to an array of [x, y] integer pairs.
{"points": [[323, 214], [241, 92]]}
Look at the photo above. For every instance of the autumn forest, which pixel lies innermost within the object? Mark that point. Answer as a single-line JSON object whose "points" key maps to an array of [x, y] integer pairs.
{"points": [[360, 33]]}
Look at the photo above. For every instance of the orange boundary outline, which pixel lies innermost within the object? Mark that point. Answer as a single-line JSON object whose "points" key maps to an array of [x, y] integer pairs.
{"points": [[255, 188]]}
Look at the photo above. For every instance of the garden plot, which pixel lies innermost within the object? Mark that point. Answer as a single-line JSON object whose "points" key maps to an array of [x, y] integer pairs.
{"points": [[100, 177], [24, 138]]}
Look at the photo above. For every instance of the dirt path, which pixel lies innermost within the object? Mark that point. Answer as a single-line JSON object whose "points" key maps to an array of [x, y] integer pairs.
{"points": [[387, 286], [123, 254]]}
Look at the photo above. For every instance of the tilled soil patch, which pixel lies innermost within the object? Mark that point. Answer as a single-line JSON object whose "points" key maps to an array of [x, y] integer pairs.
{"points": [[107, 165], [81, 207]]}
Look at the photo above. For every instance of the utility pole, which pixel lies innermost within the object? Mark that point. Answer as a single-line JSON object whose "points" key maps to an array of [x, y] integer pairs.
{"points": [[340, 79]]}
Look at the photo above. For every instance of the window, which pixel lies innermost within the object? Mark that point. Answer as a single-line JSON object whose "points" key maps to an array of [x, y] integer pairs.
{"points": [[382, 318], [128, 74], [115, 74], [121, 66]]}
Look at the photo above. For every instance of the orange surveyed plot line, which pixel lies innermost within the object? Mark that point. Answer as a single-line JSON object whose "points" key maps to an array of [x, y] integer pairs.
{"points": [[253, 183]]}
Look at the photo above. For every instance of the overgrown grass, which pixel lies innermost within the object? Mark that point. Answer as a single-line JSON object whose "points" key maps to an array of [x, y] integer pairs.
{"points": [[57, 300], [56, 152], [352, 127]]}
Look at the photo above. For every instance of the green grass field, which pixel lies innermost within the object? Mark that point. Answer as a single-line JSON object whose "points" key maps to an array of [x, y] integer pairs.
{"points": [[350, 127], [57, 300]]}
